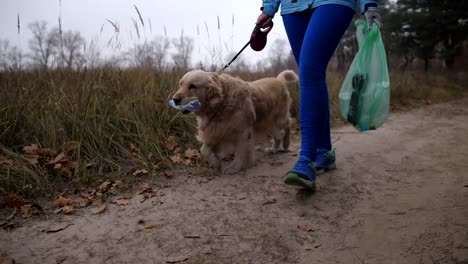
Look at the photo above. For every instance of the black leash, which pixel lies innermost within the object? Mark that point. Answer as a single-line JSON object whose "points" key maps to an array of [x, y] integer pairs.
{"points": [[235, 57], [257, 41]]}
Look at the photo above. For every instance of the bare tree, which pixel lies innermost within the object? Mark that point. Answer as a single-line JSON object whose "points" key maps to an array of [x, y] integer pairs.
{"points": [[183, 51], [239, 65], [71, 54], [278, 55], [43, 44], [15, 57], [92, 55], [152, 54], [4, 49], [11, 57], [141, 55], [161, 47]]}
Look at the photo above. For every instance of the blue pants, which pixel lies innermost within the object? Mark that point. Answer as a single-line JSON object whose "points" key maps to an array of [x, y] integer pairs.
{"points": [[314, 35]]}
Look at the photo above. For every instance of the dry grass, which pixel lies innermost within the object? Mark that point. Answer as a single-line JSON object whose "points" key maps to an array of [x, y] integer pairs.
{"points": [[120, 119], [111, 122]]}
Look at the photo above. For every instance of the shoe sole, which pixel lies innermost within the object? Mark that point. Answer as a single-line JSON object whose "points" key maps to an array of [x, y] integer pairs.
{"points": [[328, 168], [295, 180]]}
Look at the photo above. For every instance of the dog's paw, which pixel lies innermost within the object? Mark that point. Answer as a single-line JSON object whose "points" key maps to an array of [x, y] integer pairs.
{"points": [[271, 150], [232, 168]]}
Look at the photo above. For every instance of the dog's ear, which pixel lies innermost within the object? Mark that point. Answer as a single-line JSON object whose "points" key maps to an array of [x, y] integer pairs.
{"points": [[214, 91]]}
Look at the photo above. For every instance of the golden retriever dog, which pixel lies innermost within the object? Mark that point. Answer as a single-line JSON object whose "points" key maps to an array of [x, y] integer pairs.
{"points": [[234, 112]]}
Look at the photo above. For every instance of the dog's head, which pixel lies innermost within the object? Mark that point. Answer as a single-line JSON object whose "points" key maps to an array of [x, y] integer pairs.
{"points": [[205, 86]]}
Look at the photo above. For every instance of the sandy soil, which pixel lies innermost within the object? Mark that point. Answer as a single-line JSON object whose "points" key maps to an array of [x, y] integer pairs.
{"points": [[399, 195]]}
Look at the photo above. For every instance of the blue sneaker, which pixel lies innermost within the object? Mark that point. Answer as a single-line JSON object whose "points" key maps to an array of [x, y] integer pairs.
{"points": [[325, 161], [302, 175]]}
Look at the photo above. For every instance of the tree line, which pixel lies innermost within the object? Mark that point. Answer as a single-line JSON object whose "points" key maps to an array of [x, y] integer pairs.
{"points": [[54, 48], [424, 30]]}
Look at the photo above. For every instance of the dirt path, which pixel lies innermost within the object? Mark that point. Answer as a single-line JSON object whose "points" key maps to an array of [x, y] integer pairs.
{"points": [[399, 195]]}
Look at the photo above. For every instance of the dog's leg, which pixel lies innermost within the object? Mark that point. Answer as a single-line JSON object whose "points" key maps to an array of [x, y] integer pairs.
{"points": [[209, 154], [278, 135], [244, 153]]}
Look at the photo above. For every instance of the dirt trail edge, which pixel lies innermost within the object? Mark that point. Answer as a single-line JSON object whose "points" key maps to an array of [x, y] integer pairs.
{"points": [[399, 195]]}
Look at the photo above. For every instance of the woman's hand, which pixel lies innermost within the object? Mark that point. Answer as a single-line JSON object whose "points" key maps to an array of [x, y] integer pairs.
{"points": [[264, 21], [373, 15]]}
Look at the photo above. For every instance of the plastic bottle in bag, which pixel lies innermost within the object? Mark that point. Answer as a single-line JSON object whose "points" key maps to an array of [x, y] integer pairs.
{"points": [[365, 94], [192, 106]]}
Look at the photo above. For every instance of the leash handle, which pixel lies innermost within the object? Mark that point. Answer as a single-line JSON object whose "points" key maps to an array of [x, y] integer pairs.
{"points": [[259, 34]]}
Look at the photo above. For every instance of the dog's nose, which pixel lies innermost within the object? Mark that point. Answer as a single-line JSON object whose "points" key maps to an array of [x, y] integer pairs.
{"points": [[176, 100]]}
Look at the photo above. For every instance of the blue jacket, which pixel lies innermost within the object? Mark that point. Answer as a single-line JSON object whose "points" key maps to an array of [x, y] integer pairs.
{"points": [[270, 7]]}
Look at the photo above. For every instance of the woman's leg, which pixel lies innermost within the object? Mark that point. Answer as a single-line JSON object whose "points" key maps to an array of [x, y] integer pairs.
{"points": [[314, 36]]}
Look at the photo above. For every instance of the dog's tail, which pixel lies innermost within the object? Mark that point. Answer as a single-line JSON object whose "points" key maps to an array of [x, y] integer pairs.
{"points": [[288, 76]]}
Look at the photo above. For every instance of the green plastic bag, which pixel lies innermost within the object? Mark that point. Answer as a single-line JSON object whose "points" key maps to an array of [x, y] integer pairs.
{"points": [[365, 94]]}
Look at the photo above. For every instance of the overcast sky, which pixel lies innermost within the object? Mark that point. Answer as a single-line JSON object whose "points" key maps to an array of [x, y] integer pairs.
{"points": [[88, 16]]}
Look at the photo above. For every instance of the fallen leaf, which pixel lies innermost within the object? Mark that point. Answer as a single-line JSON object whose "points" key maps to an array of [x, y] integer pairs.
{"points": [[62, 201], [154, 203], [82, 202], [171, 143], [100, 209], [58, 210], [176, 158], [46, 152], [68, 209], [191, 153], [133, 149], [66, 171], [146, 196], [121, 201], [145, 188], [176, 259], [60, 157], [70, 164], [72, 145], [31, 149], [104, 187], [14, 202], [33, 159], [26, 210], [58, 166], [150, 156], [305, 227], [57, 227], [187, 162], [6, 162], [167, 174], [141, 172]]}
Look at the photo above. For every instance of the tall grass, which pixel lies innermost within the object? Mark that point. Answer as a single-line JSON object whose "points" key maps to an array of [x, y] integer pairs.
{"points": [[120, 119], [111, 122]]}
